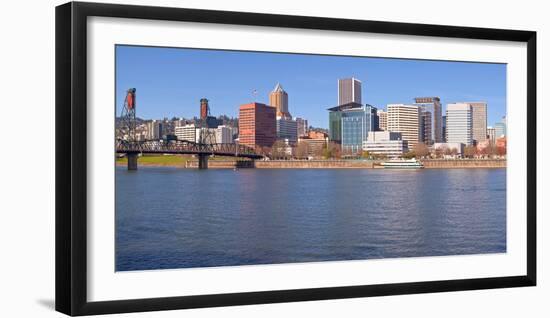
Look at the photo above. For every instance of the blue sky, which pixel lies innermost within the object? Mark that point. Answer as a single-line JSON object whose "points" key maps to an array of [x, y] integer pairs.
{"points": [[171, 81]]}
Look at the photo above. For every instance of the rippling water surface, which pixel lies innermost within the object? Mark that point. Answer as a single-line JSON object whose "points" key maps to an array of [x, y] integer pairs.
{"points": [[182, 218]]}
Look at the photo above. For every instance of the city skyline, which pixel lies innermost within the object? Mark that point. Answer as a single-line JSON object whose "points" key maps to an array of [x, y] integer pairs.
{"points": [[191, 74]]}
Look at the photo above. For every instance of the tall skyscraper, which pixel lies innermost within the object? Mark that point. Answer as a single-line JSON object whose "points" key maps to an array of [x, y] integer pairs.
{"points": [[278, 98], [349, 91], [479, 121], [405, 119], [459, 123], [383, 120], [444, 130], [491, 135], [302, 127], [433, 105], [500, 128], [257, 125], [426, 127]]}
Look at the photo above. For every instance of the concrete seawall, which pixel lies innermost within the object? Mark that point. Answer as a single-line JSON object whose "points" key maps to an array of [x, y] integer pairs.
{"points": [[342, 164], [466, 163], [312, 164], [287, 164], [332, 164]]}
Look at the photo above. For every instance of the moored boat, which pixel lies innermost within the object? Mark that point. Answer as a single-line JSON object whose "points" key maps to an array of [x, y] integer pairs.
{"points": [[403, 164]]}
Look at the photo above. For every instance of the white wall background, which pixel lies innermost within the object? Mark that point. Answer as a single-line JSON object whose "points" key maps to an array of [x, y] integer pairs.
{"points": [[27, 158]]}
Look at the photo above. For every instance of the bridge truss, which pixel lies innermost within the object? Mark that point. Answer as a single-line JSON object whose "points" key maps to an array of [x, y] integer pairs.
{"points": [[185, 147]]}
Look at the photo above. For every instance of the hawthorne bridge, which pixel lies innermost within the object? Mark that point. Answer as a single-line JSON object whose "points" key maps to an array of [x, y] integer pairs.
{"points": [[205, 146], [132, 150]]}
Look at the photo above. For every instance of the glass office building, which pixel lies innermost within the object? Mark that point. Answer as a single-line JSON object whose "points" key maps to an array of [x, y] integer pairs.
{"points": [[350, 124], [335, 126]]}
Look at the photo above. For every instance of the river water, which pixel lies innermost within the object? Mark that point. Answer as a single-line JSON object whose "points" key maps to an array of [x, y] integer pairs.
{"points": [[183, 218]]}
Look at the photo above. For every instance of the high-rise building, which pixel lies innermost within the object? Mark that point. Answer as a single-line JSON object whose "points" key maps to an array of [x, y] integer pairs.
{"points": [[278, 98], [426, 127], [303, 127], [405, 119], [433, 105], [154, 130], [257, 125], [459, 123], [287, 128], [444, 130], [500, 128], [335, 124], [353, 122], [383, 120], [479, 121], [349, 91], [491, 135]]}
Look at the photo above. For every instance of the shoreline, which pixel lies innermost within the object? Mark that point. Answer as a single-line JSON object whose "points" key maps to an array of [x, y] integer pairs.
{"points": [[324, 164]]}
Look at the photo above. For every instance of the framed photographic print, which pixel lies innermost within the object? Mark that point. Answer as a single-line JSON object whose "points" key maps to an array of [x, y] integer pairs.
{"points": [[209, 158]]}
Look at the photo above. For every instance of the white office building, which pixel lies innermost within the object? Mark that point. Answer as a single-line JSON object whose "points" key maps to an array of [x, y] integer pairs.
{"points": [[405, 119], [224, 135], [385, 143], [459, 123], [186, 132]]}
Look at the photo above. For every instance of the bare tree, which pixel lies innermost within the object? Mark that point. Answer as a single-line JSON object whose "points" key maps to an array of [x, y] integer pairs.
{"points": [[453, 152], [470, 151], [332, 150], [278, 150], [301, 150], [501, 151], [422, 150], [409, 155]]}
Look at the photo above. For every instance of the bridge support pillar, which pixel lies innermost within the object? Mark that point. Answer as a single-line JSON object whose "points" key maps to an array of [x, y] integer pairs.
{"points": [[132, 161], [203, 161]]}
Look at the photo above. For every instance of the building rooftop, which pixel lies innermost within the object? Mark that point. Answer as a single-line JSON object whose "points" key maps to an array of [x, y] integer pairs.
{"points": [[278, 89], [347, 106]]}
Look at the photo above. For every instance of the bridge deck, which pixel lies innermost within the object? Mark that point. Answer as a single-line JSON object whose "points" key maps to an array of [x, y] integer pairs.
{"points": [[186, 147]]}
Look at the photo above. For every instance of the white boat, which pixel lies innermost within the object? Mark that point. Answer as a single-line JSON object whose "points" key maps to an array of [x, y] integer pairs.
{"points": [[402, 164]]}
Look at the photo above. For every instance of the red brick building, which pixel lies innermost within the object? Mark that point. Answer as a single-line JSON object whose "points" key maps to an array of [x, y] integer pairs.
{"points": [[257, 125]]}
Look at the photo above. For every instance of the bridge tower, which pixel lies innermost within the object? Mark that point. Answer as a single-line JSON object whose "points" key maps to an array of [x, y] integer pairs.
{"points": [[206, 135], [128, 117]]}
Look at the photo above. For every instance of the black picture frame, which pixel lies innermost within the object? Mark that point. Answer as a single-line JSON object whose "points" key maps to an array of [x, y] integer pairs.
{"points": [[71, 157]]}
